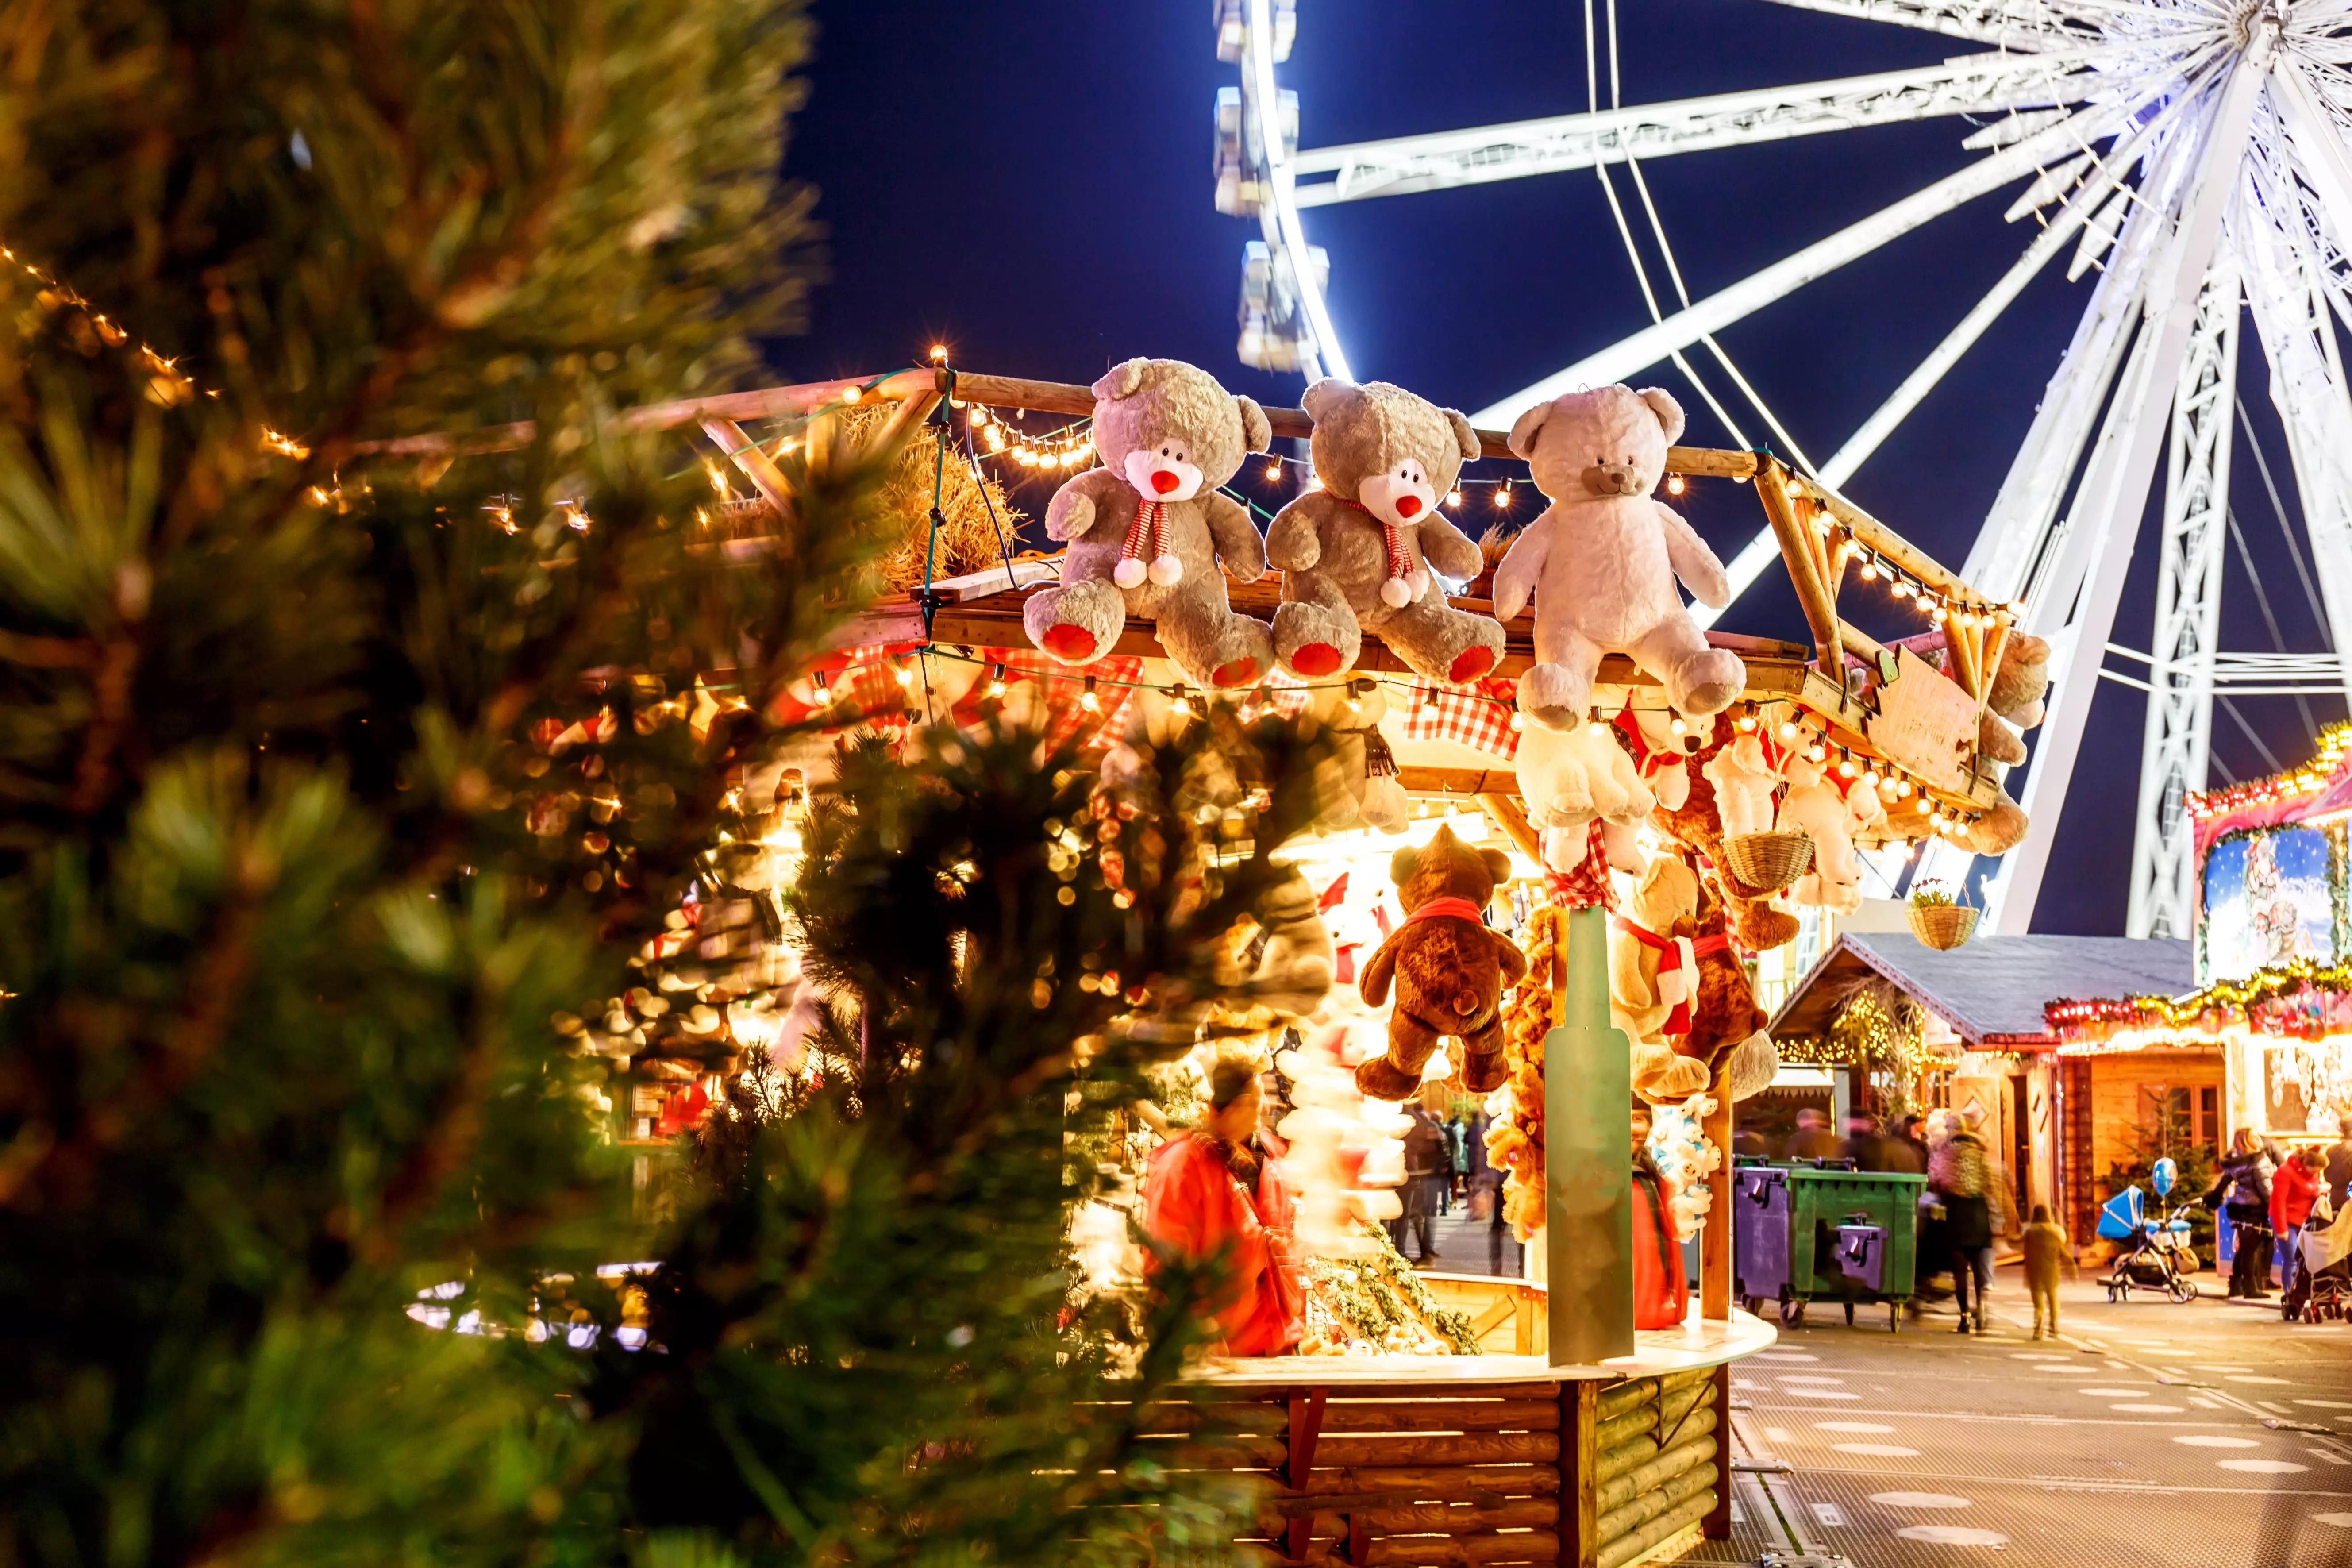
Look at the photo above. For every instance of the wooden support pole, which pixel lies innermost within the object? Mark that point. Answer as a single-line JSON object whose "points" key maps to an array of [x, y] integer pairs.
{"points": [[1580, 1473], [1715, 1265], [1797, 551], [1512, 818], [1588, 1157], [1717, 1526], [755, 464]]}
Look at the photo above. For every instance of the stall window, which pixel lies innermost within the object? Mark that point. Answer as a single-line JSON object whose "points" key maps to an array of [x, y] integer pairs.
{"points": [[2209, 1116]]}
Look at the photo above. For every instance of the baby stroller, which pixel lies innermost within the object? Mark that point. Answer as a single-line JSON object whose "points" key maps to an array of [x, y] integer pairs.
{"points": [[2322, 1286], [2157, 1254]]}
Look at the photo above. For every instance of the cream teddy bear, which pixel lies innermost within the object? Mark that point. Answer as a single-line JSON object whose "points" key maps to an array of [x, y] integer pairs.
{"points": [[1744, 781], [1569, 777], [1357, 552], [1146, 531], [1654, 977], [1602, 561], [1816, 807], [1356, 783]]}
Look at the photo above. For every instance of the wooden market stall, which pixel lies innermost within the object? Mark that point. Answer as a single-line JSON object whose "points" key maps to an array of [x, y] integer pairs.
{"points": [[1596, 1446]]}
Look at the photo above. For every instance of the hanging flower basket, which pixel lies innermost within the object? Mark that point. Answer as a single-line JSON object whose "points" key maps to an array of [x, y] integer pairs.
{"points": [[1767, 862], [1944, 926]]}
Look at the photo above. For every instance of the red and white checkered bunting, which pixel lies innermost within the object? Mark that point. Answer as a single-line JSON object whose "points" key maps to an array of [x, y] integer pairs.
{"points": [[1477, 715]]}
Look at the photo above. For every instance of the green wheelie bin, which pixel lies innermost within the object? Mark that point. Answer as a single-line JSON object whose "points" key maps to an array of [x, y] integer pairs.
{"points": [[1851, 1236]]}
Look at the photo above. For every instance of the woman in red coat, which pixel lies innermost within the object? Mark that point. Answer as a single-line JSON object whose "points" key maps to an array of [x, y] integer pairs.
{"points": [[1214, 1191], [2293, 1190]]}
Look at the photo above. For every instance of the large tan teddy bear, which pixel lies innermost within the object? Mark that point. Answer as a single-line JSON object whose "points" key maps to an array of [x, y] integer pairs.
{"points": [[1602, 561], [1146, 531], [1356, 553], [1654, 975]]}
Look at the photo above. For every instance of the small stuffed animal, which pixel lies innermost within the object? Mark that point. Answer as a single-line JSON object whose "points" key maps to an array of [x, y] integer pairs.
{"points": [[1569, 777], [1652, 976], [1830, 812], [1356, 784], [1723, 1005], [1753, 921], [1356, 553], [1147, 530], [1744, 781], [2015, 703], [1602, 561], [1450, 970]]}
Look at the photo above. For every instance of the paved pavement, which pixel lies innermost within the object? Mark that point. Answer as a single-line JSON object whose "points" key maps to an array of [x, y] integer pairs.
{"points": [[2151, 1433]]}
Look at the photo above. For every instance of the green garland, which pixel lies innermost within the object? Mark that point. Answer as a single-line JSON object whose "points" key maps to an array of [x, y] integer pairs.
{"points": [[1374, 1296]]}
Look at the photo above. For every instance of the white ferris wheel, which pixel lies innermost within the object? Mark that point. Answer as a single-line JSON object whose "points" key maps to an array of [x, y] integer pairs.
{"points": [[2194, 156]]}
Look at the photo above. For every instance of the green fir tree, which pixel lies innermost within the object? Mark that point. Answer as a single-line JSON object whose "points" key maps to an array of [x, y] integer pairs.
{"points": [[340, 780]]}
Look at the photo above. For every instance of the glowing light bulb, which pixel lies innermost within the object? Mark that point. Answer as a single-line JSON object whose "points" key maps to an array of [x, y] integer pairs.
{"points": [[1503, 494], [1676, 725], [1870, 569], [1089, 700], [1454, 497], [1748, 720], [1675, 485], [1788, 728], [996, 682], [1815, 754], [939, 353], [852, 393], [1273, 472], [906, 675], [1846, 768], [979, 416]]}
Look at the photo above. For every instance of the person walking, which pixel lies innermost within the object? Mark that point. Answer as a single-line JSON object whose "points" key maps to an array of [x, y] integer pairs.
{"points": [[1912, 1134], [2240, 1194], [2047, 1256], [1961, 1176], [1813, 1140], [2339, 1166], [2294, 1190], [1458, 1180], [1424, 1158]]}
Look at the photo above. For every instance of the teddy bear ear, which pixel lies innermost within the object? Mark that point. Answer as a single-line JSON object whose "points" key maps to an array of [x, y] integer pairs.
{"points": [[1670, 413], [1401, 863], [1318, 398], [1499, 863], [1122, 380], [1257, 434], [1524, 428], [1465, 439]]}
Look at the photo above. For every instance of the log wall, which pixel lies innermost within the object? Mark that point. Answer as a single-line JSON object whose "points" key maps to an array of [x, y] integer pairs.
{"points": [[1600, 1475]]}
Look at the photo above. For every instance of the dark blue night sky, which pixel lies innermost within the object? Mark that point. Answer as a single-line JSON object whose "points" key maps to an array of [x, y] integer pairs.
{"points": [[1031, 183]]}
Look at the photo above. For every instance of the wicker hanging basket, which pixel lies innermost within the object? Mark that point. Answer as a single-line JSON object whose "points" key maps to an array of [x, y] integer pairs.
{"points": [[1944, 926], [1767, 862]]}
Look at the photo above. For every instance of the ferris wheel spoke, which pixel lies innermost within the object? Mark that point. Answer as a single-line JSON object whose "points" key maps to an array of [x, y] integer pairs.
{"points": [[2315, 138], [2105, 176], [1718, 311], [2079, 600], [1998, 22], [2308, 387], [1990, 83]]}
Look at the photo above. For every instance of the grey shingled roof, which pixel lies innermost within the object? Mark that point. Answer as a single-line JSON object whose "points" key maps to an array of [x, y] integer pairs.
{"points": [[1993, 988]]}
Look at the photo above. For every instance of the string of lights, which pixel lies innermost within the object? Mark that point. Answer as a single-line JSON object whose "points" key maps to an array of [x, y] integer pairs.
{"points": [[2307, 779]]}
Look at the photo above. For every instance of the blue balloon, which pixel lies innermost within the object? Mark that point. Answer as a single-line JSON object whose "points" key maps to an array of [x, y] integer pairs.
{"points": [[2164, 1175]]}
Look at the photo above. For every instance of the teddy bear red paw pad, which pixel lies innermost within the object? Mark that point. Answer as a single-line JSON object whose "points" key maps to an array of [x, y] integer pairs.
{"points": [[1470, 664], [1069, 642], [1316, 658], [1235, 672]]}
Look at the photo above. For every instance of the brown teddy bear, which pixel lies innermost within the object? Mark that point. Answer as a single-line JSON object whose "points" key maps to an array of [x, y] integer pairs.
{"points": [[1601, 564], [1146, 530], [1356, 553], [1724, 1013], [1696, 826], [1653, 972], [1450, 969]]}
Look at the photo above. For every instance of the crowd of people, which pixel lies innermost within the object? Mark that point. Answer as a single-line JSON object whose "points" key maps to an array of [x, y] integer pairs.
{"points": [[2266, 1194]]}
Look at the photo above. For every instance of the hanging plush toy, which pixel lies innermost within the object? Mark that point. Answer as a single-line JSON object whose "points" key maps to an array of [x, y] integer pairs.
{"points": [[1754, 921], [1569, 777], [1724, 1013], [1744, 780], [1357, 552], [1830, 810], [1654, 971], [1146, 530], [2015, 703], [1602, 561], [1356, 783], [1449, 969], [1679, 1149]]}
